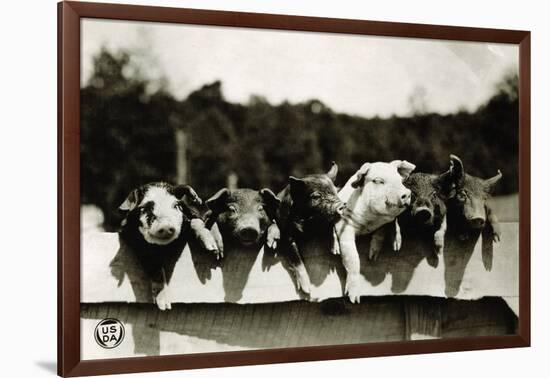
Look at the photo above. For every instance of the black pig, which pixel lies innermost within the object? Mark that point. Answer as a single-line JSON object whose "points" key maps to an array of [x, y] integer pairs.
{"points": [[428, 208], [159, 218], [309, 203], [468, 209], [242, 215]]}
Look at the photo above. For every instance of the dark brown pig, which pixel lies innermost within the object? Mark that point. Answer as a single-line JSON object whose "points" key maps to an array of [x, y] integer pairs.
{"points": [[242, 216], [468, 209], [428, 209], [308, 204]]}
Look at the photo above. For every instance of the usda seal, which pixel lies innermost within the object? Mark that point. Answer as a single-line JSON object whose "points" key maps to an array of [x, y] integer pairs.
{"points": [[109, 333]]}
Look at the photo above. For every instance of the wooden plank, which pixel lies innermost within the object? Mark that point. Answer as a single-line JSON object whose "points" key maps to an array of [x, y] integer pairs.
{"points": [[110, 273], [487, 318], [300, 324], [422, 319]]}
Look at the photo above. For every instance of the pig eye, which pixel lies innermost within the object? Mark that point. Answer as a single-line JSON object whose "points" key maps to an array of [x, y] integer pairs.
{"points": [[461, 196], [260, 208], [378, 180], [315, 195], [232, 208]]}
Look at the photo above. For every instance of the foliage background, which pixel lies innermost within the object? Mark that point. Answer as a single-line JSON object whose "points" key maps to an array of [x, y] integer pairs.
{"points": [[128, 128]]}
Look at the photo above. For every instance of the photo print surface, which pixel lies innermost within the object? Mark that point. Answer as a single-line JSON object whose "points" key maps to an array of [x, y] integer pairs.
{"points": [[255, 189]]}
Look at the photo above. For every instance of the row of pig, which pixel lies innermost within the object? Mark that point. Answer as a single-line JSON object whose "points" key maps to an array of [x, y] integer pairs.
{"points": [[161, 218]]}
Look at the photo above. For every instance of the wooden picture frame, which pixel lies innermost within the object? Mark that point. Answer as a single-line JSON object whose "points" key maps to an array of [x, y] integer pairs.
{"points": [[69, 233]]}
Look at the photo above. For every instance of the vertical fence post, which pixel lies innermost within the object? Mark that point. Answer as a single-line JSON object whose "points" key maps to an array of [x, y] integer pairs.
{"points": [[182, 174], [232, 181]]}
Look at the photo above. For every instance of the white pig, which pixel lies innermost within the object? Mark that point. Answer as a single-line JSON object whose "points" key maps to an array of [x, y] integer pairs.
{"points": [[374, 196]]}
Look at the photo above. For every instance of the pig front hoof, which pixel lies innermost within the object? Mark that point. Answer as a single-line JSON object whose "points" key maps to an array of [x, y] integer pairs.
{"points": [[219, 246], [209, 244], [439, 242], [496, 237], [273, 236], [303, 284], [397, 241], [302, 279], [352, 289], [335, 248], [218, 254], [272, 241], [163, 300], [272, 244]]}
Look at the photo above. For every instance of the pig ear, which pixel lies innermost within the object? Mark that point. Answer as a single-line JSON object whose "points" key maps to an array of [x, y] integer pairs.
{"points": [[404, 168], [360, 176], [216, 202], [333, 172], [186, 190], [456, 171], [271, 201], [490, 182], [296, 183], [445, 185], [131, 201]]}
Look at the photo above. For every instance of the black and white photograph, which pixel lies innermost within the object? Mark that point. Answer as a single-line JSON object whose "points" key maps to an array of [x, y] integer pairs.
{"points": [[246, 189]]}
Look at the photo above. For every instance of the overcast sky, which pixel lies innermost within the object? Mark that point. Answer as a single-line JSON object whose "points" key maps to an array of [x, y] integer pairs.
{"points": [[354, 74]]}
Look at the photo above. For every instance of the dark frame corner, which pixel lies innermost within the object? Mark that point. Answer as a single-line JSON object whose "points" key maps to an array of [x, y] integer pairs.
{"points": [[69, 15]]}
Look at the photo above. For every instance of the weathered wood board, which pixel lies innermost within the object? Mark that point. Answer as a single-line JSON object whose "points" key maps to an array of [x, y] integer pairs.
{"points": [[218, 327], [110, 273]]}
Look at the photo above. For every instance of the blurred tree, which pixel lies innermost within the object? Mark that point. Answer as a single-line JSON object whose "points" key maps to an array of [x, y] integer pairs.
{"points": [[213, 139], [128, 137]]}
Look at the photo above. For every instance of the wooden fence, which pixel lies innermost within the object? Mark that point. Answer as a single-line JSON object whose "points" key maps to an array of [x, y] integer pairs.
{"points": [[249, 300]]}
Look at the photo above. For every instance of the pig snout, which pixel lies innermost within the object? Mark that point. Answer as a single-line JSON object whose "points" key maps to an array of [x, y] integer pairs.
{"points": [[164, 231], [423, 214], [474, 212], [477, 222], [248, 230], [340, 208], [335, 211], [248, 234], [405, 198]]}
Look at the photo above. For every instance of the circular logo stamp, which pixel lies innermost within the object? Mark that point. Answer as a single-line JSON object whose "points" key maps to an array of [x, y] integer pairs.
{"points": [[109, 333]]}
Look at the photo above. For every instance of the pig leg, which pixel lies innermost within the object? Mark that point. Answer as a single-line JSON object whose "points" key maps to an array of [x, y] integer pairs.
{"points": [[350, 260], [493, 223], [161, 292], [397, 240], [216, 234], [211, 225], [439, 235], [335, 242], [298, 267], [273, 236], [376, 243], [163, 300], [205, 238]]}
